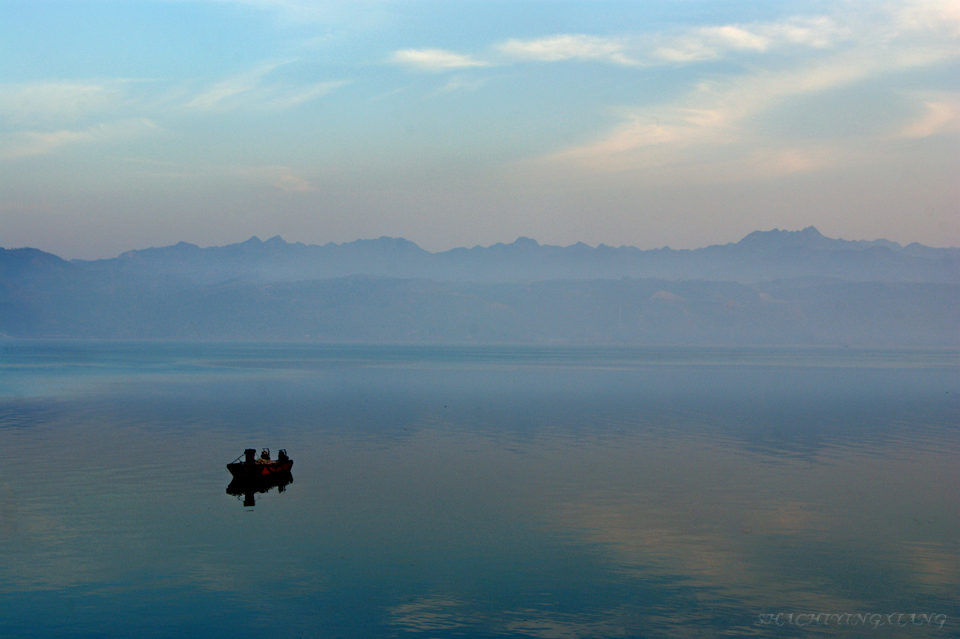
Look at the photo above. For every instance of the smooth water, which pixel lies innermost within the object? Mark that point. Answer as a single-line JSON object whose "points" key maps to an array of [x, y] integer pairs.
{"points": [[479, 491]]}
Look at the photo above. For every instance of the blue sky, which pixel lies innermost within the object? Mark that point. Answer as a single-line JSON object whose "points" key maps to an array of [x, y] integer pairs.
{"points": [[134, 124]]}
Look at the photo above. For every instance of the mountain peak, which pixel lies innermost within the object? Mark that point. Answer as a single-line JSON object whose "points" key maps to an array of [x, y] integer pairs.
{"points": [[21, 260], [809, 237]]}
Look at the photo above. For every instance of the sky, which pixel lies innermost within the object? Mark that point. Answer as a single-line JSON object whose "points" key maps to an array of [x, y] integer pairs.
{"points": [[128, 124]]}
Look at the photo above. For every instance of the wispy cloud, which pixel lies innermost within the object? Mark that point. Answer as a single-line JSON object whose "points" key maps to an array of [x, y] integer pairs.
{"points": [[252, 89], [709, 43], [938, 118], [221, 93], [714, 114], [932, 16], [691, 45], [568, 47], [459, 83], [721, 113], [289, 98], [34, 103], [31, 143], [435, 59], [714, 42]]}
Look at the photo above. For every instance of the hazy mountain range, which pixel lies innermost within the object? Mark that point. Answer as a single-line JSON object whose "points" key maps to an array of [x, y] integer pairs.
{"points": [[774, 287], [760, 256]]}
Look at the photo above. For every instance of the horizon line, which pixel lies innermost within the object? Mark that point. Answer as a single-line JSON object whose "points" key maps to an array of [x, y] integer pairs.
{"points": [[520, 239]]}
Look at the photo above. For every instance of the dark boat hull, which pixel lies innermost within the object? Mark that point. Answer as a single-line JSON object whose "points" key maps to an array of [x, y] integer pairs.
{"points": [[242, 470]]}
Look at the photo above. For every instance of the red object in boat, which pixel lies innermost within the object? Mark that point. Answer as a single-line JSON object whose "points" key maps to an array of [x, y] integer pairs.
{"points": [[247, 466]]}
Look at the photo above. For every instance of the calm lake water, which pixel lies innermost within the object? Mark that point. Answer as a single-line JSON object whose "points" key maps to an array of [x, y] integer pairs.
{"points": [[478, 492]]}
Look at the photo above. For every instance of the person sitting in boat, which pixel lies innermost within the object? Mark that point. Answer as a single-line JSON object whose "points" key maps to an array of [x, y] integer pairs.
{"points": [[282, 455], [265, 454]]}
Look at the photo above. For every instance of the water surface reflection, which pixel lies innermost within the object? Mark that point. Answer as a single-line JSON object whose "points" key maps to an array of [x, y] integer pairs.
{"points": [[520, 497], [248, 487]]}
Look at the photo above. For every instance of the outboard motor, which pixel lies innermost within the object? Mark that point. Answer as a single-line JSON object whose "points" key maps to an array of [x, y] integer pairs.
{"points": [[250, 454]]}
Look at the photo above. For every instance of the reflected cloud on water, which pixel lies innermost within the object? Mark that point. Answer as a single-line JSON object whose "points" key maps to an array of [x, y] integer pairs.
{"points": [[444, 500]]}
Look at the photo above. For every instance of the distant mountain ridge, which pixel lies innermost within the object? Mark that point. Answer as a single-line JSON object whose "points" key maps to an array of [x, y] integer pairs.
{"points": [[773, 287], [760, 256]]}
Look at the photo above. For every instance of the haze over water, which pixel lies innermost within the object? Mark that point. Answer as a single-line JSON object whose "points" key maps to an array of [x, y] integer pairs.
{"points": [[477, 491]]}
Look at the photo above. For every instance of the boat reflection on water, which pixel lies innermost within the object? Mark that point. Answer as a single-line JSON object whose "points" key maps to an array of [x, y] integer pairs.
{"points": [[247, 487], [252, 475]]}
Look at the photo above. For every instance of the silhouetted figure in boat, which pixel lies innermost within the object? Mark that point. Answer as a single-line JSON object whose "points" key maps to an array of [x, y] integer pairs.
{"points": [[258, 475]]}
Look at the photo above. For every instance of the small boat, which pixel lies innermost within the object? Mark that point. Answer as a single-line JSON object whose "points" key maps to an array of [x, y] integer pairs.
{"points": [[249, 466]]}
